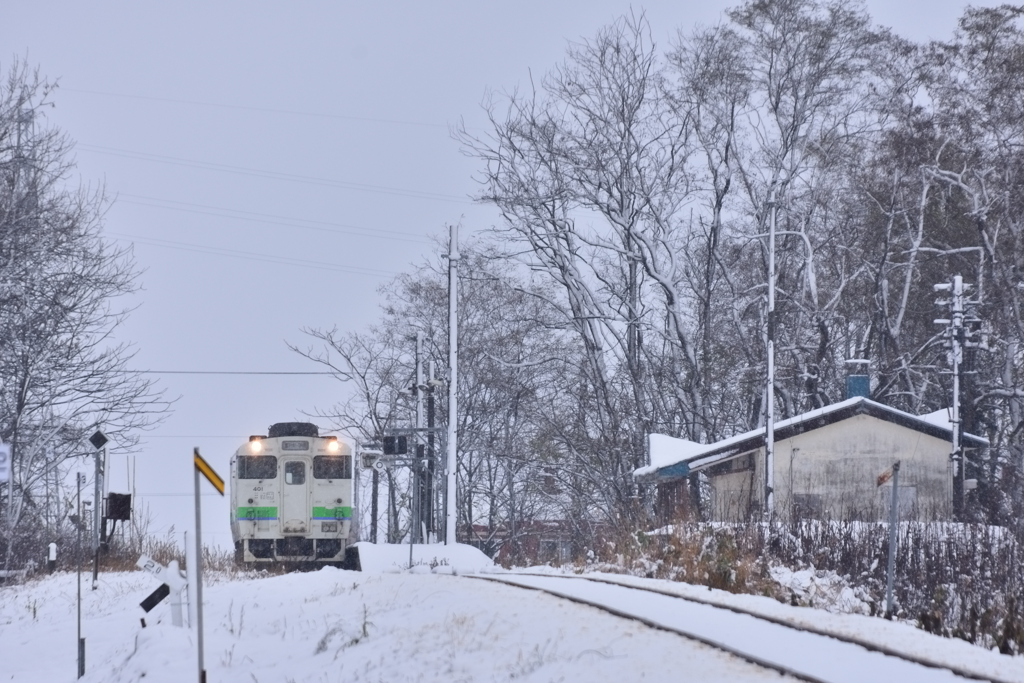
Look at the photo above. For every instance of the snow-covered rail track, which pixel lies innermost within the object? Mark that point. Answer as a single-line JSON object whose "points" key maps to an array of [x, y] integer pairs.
{"points": [[798, 650]]}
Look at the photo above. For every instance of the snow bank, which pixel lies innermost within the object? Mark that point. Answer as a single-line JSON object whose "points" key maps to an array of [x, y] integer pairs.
{"points": [[334, 626], [377, 558]]}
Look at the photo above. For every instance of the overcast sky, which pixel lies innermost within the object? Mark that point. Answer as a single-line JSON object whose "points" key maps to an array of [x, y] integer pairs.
{"points": [[274, 163]]}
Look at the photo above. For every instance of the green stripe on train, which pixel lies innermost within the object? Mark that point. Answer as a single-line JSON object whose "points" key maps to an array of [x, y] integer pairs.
{"points": [[332, 513], [251, 513]]}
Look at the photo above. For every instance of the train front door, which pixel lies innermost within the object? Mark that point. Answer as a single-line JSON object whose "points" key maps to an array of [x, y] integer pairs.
{"points": [[295, 498]]}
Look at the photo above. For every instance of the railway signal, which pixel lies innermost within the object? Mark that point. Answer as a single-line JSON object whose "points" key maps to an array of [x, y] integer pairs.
{"points": [[396, 445]]}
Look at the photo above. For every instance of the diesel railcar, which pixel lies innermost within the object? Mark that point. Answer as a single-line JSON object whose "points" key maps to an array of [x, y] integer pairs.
{"points": [[291, 497]]}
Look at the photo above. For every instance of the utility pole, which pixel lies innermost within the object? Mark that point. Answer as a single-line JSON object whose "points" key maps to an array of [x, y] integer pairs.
{"points": [[417, 468], [769, 392], [429, 486], [451, 462], [957, 338]]}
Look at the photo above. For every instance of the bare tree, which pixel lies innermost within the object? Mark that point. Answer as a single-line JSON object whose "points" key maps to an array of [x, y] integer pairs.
{"points": [[62, 375]]}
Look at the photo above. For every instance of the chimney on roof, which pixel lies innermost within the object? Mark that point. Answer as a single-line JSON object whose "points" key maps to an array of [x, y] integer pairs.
{"points": [[858, 383]]}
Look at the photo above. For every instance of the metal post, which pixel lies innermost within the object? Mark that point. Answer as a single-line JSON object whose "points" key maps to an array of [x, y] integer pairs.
{"points": [[104, 490], [893, 518], [97, 515], [78, 561], [374, 492], [957, 349], [199, 577], [769, 395], [429, 476], [412, 512], [418, 449], [955, 343], [451, 462]]}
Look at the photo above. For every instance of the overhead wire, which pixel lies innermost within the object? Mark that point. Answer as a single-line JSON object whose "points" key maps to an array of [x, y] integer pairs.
{"points": [[267, 110], [273, 175], [254, 256], [230, 372], [254, 216], [270, 219]]}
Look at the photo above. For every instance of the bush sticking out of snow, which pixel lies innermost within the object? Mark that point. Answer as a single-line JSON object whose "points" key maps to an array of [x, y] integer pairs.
{"points": [[955, 580], [436, 558]]}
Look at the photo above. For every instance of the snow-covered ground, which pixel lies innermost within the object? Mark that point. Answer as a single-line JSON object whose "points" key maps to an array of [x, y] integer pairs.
{"points": [[384, 624]]}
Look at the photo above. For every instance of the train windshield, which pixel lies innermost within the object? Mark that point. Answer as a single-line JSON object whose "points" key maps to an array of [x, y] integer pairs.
{"points": [[332, 467], [257, 467], [295, 472]]}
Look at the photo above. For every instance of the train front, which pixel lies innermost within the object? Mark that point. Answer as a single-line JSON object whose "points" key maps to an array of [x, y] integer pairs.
{"points": [[291, 497]]}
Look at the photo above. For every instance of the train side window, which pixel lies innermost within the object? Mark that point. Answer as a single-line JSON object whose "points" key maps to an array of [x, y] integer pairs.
{"points": [[257, 467], [332, 467], [295, 472]]}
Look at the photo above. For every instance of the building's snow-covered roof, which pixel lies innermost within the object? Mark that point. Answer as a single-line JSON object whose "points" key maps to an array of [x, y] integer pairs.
{"points": [[672, 457]]}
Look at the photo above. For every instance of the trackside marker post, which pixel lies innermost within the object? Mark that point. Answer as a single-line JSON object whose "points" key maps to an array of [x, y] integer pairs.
{"points": [[894, 474], [202, 467], [172, 583]]}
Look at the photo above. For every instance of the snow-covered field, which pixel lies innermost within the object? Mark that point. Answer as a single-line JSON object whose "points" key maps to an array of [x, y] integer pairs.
{"points": [[384, 624]]}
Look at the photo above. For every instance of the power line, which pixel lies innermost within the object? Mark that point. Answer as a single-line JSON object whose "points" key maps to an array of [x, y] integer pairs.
{"points": [[267, 110], [191, 436], [253, 256], [273, 175], [238, 214], [225, 372]]}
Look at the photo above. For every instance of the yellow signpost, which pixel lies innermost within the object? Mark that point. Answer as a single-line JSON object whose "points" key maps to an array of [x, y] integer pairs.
{"points": [[207, 471], [202, 467]]}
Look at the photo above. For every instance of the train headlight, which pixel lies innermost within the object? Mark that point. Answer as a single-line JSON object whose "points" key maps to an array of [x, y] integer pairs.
{"points": [[332, 446], [328, 527], [256, 446]]}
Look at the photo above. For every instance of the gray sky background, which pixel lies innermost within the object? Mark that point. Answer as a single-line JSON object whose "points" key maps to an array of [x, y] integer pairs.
{"points": [[274, 163]]}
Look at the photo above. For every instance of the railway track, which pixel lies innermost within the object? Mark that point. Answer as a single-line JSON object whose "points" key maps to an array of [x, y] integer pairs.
{"points": [[804, 652]]}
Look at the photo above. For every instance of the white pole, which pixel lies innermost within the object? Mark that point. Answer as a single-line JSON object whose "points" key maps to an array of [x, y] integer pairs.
{"points": [[417, 469], [769, 395], [453, 383], [97, 516], [419, 381], [957, 353], [199, 577], [80, 478]]}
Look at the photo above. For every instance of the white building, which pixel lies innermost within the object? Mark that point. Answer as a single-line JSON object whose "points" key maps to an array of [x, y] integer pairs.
{"points": [[827, 463]]}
